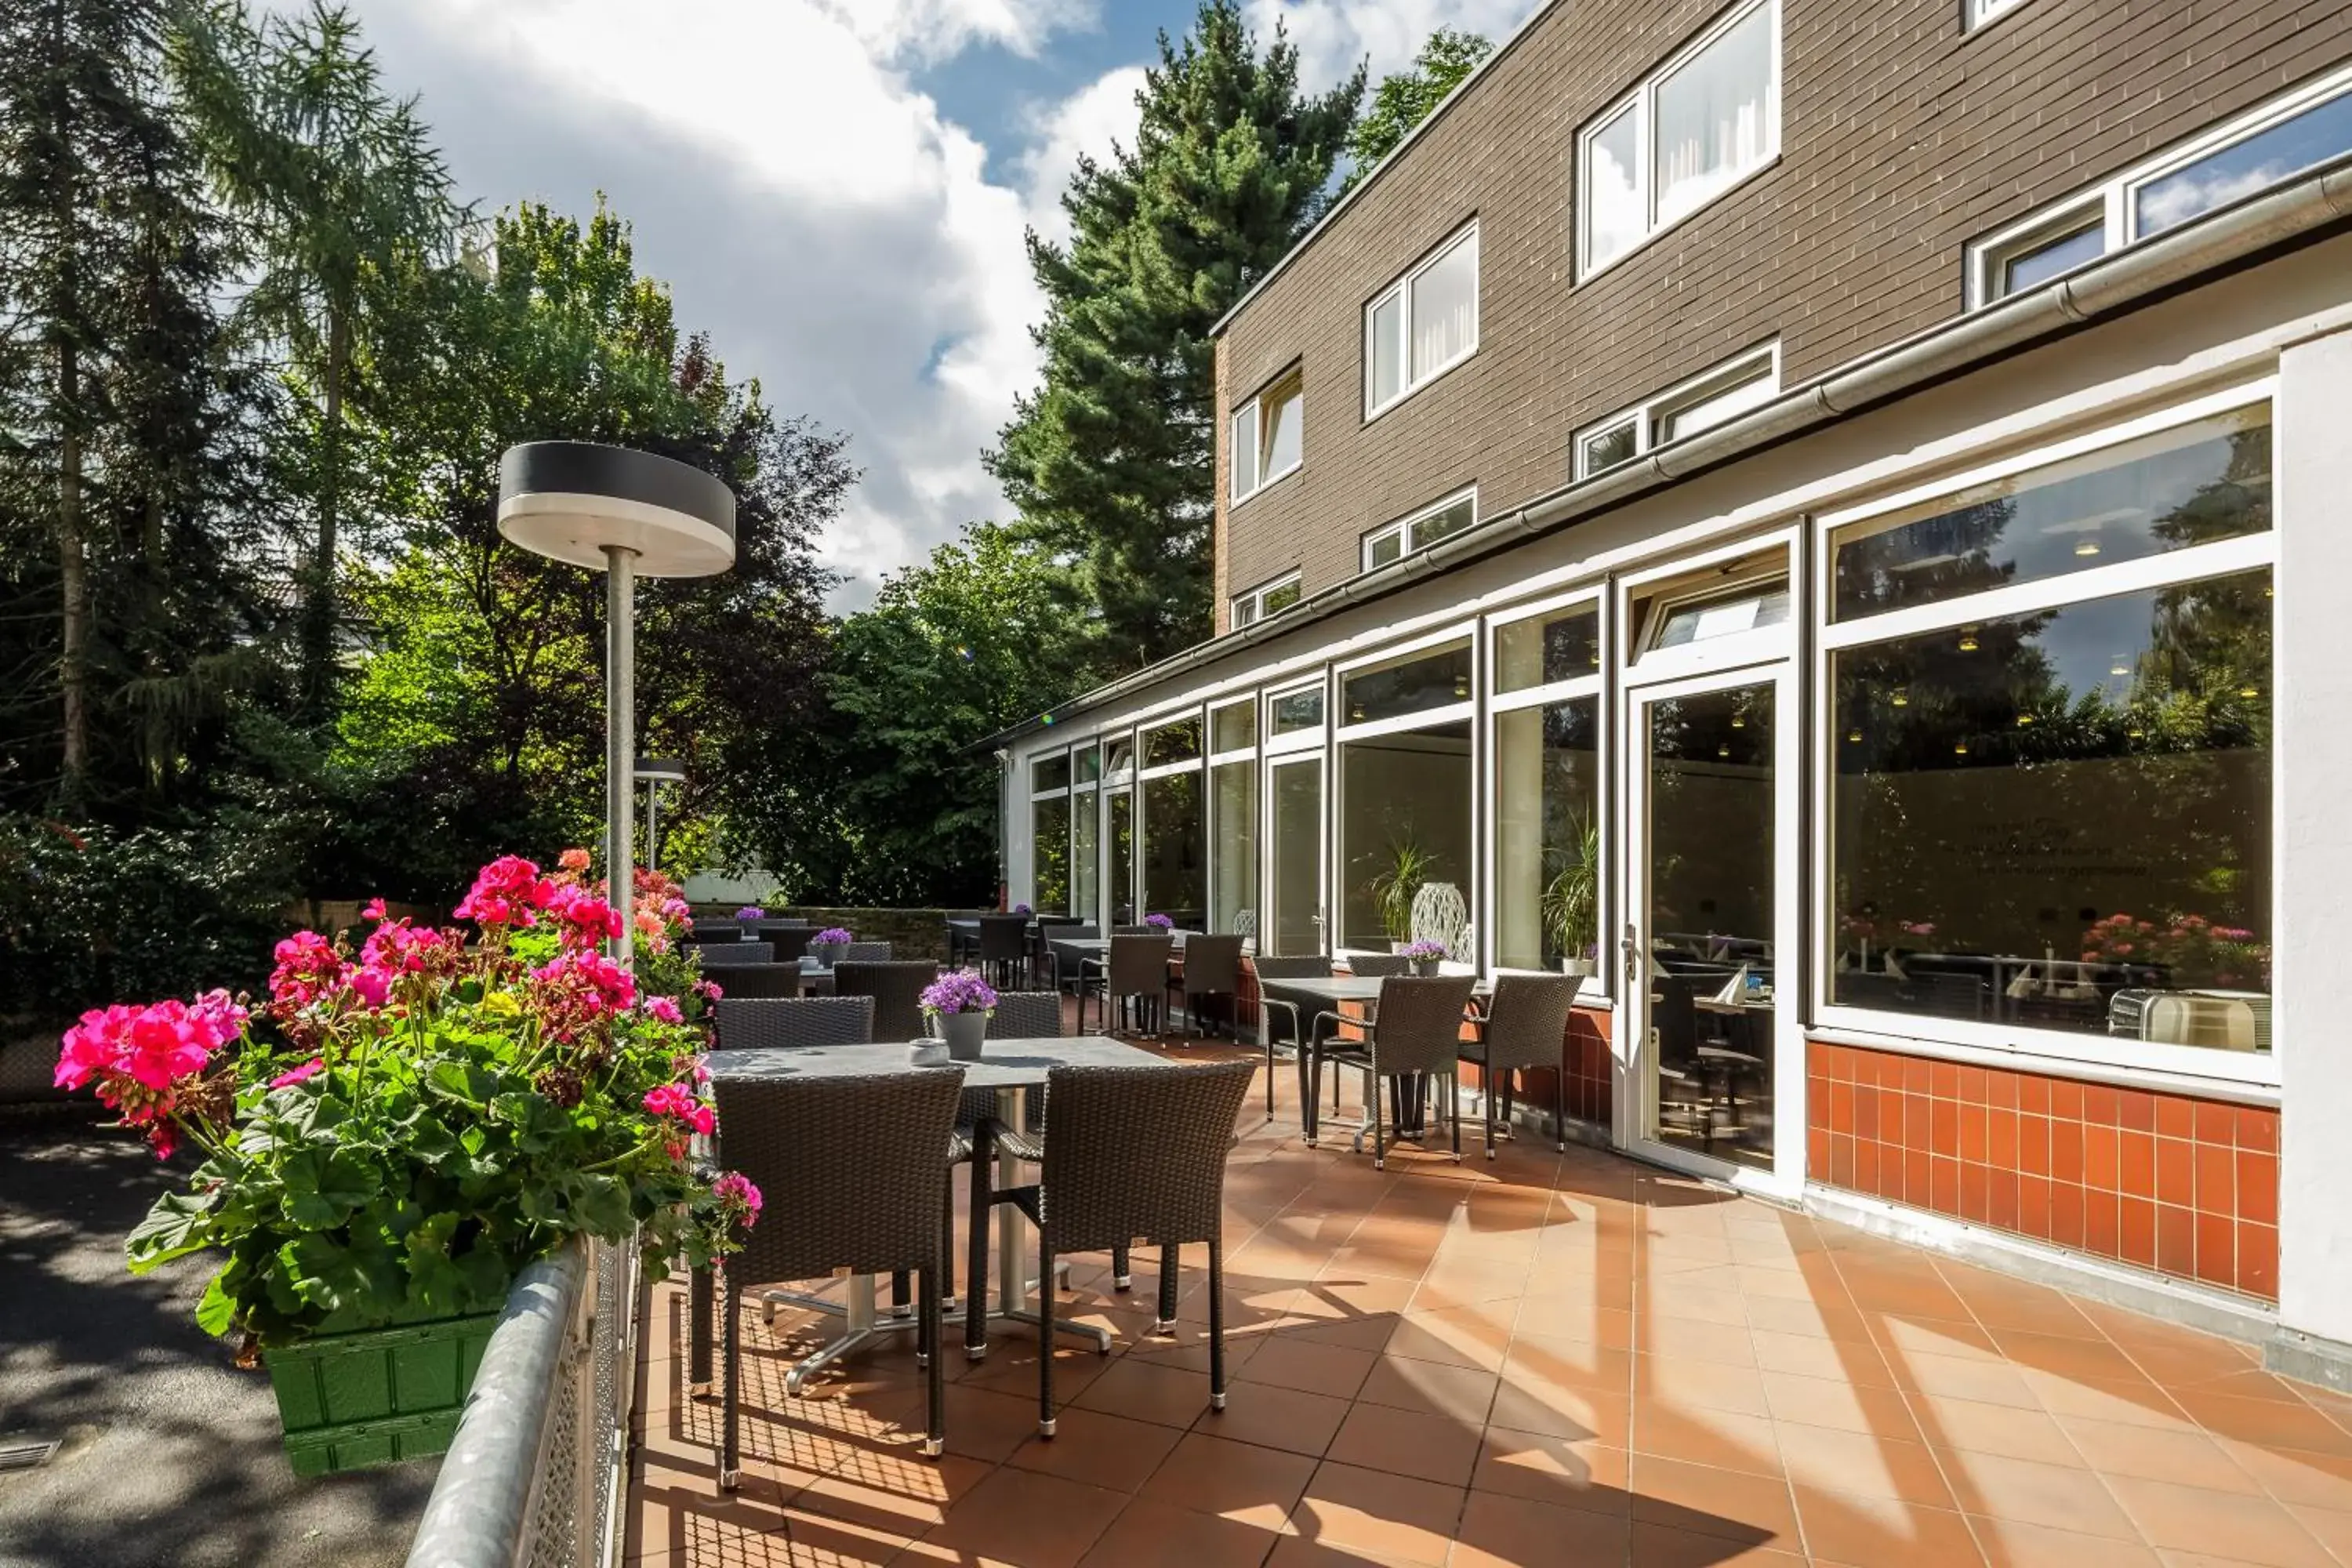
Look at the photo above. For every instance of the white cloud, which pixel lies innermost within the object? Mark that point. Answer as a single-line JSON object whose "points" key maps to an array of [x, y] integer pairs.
{"points": [[1333, 36], [942, 29], [1091, 120]]}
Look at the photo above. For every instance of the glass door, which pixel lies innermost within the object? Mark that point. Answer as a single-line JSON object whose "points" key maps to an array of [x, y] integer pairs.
{"points": [[1716, 1061], [1295, 787]]}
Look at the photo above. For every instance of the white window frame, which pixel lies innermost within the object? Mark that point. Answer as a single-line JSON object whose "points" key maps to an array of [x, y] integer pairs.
{"points": [[1249, 607], [1642, 103], [1412, 378], [1647, 666], [1924, 1035], [1980, 12], [1335, 709], [1307, 739], [2115, 198], [1212, 761], [1253, 413], [1650, 416], [1402, 529], [1595, 685]]}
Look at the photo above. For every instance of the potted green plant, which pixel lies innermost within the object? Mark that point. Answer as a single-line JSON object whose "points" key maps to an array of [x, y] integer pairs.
{"points": [[1572, 901], [395, 1132], [1393, 890]]}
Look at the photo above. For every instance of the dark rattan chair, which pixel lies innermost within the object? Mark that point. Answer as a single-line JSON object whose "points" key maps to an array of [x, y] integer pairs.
{"points": [[1268, 1007], [855, 1165], [762, 980], [1212, 967], [758, 1023], [868, 952], [1004, 949], [791, 943], [717, 930], [1377, 965], [1101, 1187], [1526, 1026], [718, 954], [1055, 977], [896, 990], [1136, 969], [1417, 1029]]}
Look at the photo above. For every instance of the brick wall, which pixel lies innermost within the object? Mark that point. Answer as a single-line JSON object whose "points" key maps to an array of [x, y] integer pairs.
{"points": [[2164, 1181], [1902, 139]]}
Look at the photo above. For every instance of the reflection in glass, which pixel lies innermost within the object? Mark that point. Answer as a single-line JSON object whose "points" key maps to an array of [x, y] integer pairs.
{"points": [[1562, 645], [1445, 309], [1120, 896], [1713, 116], [1232, 824], [1298, 925], [1283, 417], [1118, 758], [2203, 481], [1449, 519], [1386, 350], [1607, 448], [1615, 214], [2053, 257], [1405, 824], [2256, 163], [1050, 773], [1085, 862], [1085, 764], [1415, 683], [2068, 824], [1282, 597], [1050, 823], [1296, 710], [1175, 850], [1547, 836], [1177, 742], [1710, 921], [1749, 609], [1233, 727]]}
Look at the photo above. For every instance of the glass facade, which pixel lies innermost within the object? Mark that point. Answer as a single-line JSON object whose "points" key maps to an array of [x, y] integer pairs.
{"points": [[1232, 836], [1175, 868], [1050, 826], [1404, 825], [1547, 836]]}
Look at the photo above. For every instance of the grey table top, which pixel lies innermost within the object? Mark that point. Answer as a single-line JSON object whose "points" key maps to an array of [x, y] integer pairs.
{"points": [[1339, 988], [1003, 1064]]}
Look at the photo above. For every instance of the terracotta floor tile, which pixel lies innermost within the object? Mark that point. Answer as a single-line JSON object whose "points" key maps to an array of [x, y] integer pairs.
{"points": [[2013, 1543], [1154, 1535], [1101, 1450], [1239, 1481], [1294, 1550], [1871, 1532], [1677, 1300], [1962, 1377], [1831, 1460], [1811, 1355], [1700, 1385], [1815, 1317], [2294, 1476], [1406, 1442], [1371, 1511], [1576, 1363], [1755, 1511], [2132, 1402], [1681, 1337], [1464, 1393], [1141, 1391], [1309, 1366], [1530, 1404], [2158, 1454], [1455, 1337], [2035, 1493], [1545, 1468], [1272, 1417], [1725, 1439], [2067, 1355], [1819, 1402], [1029, 1520], [2265, 1422], [1981, 1428], [1498, 1531], [1660, 1546], [2332, 1527], [2196, 1519]]}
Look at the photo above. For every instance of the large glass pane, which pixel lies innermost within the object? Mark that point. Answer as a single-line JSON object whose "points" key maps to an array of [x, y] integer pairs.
{"points": [[1616, 215], [1232, 824], [1049, 774], [1547, 836], [2285, 150], [1714, 116], [1234, 726], [1085, 764], [1607, 448], [2206, 480], [1282, 596], [1404, 826], [2040, 262], [1177, 742], [1085, 858], [1445, 309], [1709, 922], [1384, 343], [1244, 449], [1283, 415], [1751, 388], [1296, 710], [1561, 646], [1050, 830], [1175, 850], [2063, 820], [1413, 683], [1746, 610], [1119, 759], [1385, 548], [1298, 925], [1119, 898], [1431, 527]]}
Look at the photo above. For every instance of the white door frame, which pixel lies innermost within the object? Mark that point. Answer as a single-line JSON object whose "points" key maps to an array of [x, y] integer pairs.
{"points": [[1270, 924]]}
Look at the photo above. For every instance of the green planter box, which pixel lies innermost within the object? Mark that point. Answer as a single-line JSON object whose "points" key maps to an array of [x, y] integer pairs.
{"points": [[377, 1395]]}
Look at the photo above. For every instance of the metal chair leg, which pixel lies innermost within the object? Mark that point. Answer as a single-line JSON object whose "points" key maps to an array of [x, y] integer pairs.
{"points": [[730, 1453], [1045, 1305], [1453, 1111], [975, 1319], [1216, 1323], [935, 1435], [700, 1290], [1167, 1321], [1122, 1272]]}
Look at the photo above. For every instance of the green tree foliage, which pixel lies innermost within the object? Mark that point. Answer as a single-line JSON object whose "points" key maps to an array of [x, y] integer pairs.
{"points": [[1111, 461], [1404, 99], [974, 640]]}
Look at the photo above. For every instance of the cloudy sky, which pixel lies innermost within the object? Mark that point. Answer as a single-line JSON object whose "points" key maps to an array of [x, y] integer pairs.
{"points": [[836, 189]]}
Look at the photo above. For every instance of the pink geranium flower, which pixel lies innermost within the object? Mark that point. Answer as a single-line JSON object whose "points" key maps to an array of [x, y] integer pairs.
{"points": [[308, 967], [677, 1100], [662, 1009], [737, 1190], [288, 1078], [506, 892], [585, 920]]}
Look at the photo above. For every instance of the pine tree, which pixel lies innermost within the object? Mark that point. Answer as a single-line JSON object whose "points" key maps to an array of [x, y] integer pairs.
{"points": [[1404, 99], [1110, 462]]}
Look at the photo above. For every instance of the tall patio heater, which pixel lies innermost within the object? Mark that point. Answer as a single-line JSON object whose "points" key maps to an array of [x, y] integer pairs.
{"points": [[652, 773], [626, 514]]}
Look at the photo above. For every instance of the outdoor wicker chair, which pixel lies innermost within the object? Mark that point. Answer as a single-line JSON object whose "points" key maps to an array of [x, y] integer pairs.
{"points": [[1004, 949], [1054, 978], [1100, 1187], [855, 1165], [1526, 1026], [868, 952], [763, 980], [1135, 970], [1377, 965], [1212, 967], [897, 989], [1416, 1029], [791, 943], [1284, 969], [715, 954], [759, 1023], [717, 930]]}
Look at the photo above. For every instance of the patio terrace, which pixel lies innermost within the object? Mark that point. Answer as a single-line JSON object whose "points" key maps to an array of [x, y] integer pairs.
{"points": [[1548, 1359]]}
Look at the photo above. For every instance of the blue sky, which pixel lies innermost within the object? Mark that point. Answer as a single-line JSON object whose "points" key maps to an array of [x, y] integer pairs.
{"points": [[836, 190]]}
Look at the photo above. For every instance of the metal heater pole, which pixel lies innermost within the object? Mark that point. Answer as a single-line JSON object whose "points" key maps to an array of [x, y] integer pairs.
{"points": [[621, 739], [652, 824]]}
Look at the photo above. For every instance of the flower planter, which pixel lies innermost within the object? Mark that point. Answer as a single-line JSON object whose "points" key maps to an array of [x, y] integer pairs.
{"points": [[1425, 965], [963, 1033], [375, 1396], [829, 953]]}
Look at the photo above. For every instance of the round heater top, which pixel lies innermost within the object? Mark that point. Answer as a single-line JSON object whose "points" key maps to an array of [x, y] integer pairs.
{"points": [[572, 500]]}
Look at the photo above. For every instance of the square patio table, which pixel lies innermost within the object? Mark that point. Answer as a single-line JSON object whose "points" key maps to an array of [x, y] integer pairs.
{"points": [[1312, 994], [1010, 1067]]}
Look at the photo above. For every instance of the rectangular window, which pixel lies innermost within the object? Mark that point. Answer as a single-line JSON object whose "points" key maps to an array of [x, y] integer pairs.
{"points": [[1721, 393], [2266, 147], [1405, 844], [1266, 599], [1085, 862], [1049, 774], [2054, 812], [1050, 836], [1085, 764], [1295, 712], [1420, 530], [1169, 743], [1408, 683], [1233, 823], [1266, 437], [1233, 727], [1699, 125], [1562, 645], [1983, 11], [1547, 836], [1175, 849], [1422, 324]]}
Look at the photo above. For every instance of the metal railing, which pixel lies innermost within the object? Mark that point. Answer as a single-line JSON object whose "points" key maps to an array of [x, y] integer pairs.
{"points": [[533, 1477]]}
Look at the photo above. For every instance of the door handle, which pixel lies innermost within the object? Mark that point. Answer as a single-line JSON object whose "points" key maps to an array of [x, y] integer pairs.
{"points": [[1631, 946]]}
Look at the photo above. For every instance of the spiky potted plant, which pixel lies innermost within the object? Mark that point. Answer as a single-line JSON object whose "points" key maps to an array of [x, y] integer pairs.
{"points": [[1572, 901]]}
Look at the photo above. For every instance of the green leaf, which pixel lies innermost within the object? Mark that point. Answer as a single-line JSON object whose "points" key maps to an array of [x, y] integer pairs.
{"points": [[218, 1311], [178, 1224]]}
